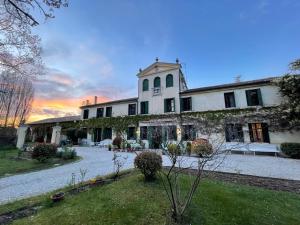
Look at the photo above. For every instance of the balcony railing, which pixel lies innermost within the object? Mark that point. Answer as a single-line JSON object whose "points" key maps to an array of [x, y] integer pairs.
{"points": [[157, 91]]}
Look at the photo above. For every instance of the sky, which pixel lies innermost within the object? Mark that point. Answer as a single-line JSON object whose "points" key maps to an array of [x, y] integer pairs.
{"points": [[97, 47]]}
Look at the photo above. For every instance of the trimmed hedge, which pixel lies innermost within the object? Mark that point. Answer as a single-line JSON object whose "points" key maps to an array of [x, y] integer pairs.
{"points": [[291, 149], [148, 163]]}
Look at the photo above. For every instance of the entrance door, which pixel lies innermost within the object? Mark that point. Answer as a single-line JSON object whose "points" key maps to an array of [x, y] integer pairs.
{"points": [[259, 132], [97, 134]]}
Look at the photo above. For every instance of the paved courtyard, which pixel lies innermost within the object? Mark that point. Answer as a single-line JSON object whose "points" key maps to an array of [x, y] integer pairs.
{"points": [[99, 162]]}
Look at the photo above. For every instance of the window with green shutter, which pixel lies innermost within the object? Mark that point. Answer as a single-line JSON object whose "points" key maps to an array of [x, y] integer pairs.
{"points": [[156, 83], [144, 107], [145, 85], [169, 80], [254, 97]]}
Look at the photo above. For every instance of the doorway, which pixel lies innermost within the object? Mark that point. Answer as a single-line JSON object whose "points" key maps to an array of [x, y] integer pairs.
{"points": [[259, 132]]}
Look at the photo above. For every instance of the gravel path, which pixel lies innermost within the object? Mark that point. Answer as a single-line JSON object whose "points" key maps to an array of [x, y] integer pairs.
{"points": [[99, 162]]}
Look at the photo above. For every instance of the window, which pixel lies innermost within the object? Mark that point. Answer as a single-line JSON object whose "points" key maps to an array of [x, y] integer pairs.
{"points": [[170, 105], [107, 133], [234, 132], [254, 97], [85, 114], [99, 112], [156, 83], [131, 133], [188, 133], [131, 109], [171, 132], [144, 132], [229, 99], [108, 111], [259, 132], [145, 85], [186, 104], [144, 107], [97, 134], [169, 80]]}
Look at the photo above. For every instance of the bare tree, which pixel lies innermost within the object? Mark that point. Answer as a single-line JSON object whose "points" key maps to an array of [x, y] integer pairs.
{"points": [[198, 130], [16, 98], [20, 50]]}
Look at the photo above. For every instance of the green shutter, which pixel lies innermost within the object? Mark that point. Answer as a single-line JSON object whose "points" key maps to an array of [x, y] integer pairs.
{"points": [[174, 104], [181, 104], [146, 107], [156, 82], [165, 105], [191, 104], [145, 85], [248, 98], [260, 101], [169, 80]]}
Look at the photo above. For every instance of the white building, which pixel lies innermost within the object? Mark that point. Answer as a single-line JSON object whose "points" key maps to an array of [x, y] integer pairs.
{"points": [[162, 90]]}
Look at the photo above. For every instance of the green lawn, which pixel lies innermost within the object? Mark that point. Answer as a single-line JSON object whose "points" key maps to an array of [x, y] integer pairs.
{"points": [[132, 201], [9, 165]]}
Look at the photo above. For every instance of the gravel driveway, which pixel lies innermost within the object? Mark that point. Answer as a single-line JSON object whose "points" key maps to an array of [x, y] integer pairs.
{"points": [[99, 162]]}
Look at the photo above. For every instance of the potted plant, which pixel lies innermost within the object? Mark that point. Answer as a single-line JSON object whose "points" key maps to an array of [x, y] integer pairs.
{"points": [[58, 197]]}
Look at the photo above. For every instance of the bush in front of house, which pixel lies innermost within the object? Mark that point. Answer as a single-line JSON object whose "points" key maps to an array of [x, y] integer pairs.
{"points": [[174, 150], [67, 153], [291, 149], [202, 147], [117, 141], [42, 152], [149, 163]]}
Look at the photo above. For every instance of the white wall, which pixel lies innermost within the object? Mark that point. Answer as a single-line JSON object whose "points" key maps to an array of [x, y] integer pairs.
{"points": [[118, 109], [280, 137], [156, 103], [214, 100]]}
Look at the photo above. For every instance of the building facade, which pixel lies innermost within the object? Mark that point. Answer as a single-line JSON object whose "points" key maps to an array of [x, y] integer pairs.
{"points": [[162, 90]]}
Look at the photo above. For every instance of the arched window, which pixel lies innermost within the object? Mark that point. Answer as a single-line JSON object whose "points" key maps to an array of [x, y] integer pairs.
{"points": [[145, 85], [169, 80], [156, 82]]}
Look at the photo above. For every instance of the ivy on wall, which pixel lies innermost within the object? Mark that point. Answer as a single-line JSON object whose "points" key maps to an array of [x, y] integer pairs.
{"points": [[121, 123]]}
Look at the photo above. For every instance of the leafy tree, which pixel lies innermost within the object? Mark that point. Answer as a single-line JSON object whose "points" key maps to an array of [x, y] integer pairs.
{"points": [[289, 86]]}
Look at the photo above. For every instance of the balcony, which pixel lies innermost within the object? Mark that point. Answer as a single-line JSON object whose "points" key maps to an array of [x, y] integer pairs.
{"points": [[156, 91]]}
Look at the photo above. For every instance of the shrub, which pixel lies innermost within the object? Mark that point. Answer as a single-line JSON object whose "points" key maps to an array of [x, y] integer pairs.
{"points": [[117, 141], [67, 153], [148, 163], [188, 148], [202, 147], [291, 149], [173, 149], [42, 152]]}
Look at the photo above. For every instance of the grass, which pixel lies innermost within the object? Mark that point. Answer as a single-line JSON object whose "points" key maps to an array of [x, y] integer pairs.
{"points": [[132, 201], [10, 165]]}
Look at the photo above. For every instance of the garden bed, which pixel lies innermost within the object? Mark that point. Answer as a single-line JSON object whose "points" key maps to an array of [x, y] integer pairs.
{"points": [[130, 200]]}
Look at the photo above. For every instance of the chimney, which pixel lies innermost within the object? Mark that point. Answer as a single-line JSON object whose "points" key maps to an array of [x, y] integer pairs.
{"points": [[177, 60], [95, 100]]}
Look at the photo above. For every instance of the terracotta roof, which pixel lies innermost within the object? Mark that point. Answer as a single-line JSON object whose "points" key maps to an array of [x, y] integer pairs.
{"points": [[231, 85], [56, 120], [111, 102]]}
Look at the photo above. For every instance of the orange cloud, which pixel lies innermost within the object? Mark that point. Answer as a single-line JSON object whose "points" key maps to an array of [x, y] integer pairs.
{"points": [[50, 108]]}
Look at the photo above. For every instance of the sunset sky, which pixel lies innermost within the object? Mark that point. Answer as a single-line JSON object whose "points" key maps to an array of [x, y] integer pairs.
{"points": [[97, 47]]}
